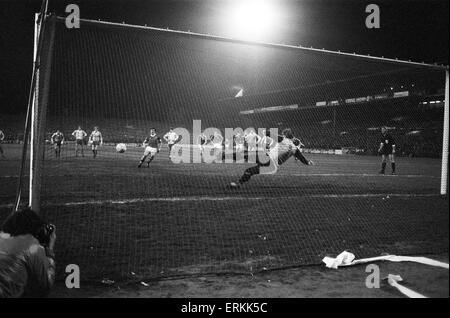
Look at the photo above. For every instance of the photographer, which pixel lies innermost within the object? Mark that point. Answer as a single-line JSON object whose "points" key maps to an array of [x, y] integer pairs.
{"points": [[27, 266]]}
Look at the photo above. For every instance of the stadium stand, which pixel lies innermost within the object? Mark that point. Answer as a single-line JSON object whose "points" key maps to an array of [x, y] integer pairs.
{"points": [[417, 130]]}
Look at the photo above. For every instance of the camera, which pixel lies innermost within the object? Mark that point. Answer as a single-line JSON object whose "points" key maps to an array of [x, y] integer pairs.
{"points": [[44, 234]]}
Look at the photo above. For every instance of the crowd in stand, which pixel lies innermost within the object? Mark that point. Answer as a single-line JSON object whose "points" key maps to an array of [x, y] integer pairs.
{"points": [[418, 133]]}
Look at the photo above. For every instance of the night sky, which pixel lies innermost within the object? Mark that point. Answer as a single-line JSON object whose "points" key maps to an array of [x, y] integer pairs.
{"points": [[410, 30]]}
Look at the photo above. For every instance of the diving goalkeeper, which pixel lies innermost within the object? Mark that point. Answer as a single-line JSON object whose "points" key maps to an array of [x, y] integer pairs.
{"points": [[286, 147]]}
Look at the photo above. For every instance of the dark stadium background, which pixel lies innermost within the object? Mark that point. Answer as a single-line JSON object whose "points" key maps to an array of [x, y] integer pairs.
{"points": [[416, 30]]}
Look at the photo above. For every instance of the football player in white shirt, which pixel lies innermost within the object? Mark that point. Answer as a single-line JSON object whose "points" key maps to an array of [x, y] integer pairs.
{"points": [[79, 135], [280, 153], [217, 140], [266, 141], [252, 139], [239, 142], [171, 138], [201, 141], [95, 139]]}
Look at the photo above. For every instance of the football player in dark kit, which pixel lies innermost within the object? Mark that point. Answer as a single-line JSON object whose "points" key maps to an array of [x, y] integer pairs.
{"points": [[57, 140], [152, 146], [387, 150]]}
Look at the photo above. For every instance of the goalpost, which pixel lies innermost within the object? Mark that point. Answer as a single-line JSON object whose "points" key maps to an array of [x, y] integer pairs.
{"points": [[35, 120], [39, 98], [444, 169], [34, 186]]}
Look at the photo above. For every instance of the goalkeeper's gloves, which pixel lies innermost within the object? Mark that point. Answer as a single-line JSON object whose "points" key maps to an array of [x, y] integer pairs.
{"points": [[311, 163]]}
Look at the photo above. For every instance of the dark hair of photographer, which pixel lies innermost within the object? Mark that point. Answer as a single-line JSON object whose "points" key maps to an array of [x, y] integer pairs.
{"points": [[27, 266], [23, 222]]}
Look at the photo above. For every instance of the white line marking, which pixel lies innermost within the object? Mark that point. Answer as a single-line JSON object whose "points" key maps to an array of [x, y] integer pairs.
{"points": [[363, 175], [375, 195], [238, 198], [291, 174]]}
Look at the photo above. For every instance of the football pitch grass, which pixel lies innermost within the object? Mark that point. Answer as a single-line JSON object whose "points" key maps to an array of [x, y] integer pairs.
{"points": [[125, 224]]}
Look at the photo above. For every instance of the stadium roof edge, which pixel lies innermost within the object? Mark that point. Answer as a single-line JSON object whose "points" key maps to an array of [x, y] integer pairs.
{"points": [[267, 44]]}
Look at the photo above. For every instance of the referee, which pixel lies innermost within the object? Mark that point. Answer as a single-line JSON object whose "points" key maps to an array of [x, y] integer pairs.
{"points": [[387, 150]]}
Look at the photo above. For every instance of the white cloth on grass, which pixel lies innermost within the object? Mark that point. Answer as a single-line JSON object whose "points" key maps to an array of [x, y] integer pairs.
{"points": [[348, 259]]}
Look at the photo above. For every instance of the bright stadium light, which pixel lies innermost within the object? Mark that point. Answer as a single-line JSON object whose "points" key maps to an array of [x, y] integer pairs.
{"points": [[253, 20]]}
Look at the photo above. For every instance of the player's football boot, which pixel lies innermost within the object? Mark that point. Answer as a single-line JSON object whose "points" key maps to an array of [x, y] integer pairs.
{"points": [[381, 172]]}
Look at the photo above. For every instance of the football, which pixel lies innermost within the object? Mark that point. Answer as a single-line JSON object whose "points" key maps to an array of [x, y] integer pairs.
{"points": [[121, 148]]}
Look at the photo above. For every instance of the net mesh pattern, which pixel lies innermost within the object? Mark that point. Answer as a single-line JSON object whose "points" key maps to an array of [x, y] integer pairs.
{"points": [[123, 223]]}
